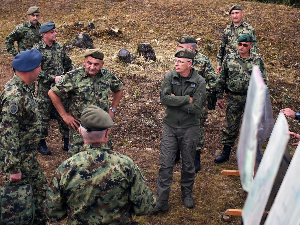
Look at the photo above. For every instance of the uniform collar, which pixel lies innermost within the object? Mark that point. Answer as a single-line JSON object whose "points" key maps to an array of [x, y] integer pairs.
{"points": [[30, 25], [242, 24], [44, 45], [22, 83], [99, 74], [191, 77], [97, 146]]}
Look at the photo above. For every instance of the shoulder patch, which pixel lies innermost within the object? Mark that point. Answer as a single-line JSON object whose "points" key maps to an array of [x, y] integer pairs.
{"points": [[61, 80], [13, 108]]}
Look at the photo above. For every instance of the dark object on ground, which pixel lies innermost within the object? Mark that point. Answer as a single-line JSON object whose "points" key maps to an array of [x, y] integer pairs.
{"points": [[91, 26], [81, 41], [76, 24], [146, 51], [124, 56], [114, 31]]}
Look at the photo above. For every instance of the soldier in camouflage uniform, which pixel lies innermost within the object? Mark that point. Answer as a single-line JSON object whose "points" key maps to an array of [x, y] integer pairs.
{"points": [[234, 80], [89, 85], [55, 62], [97, 185], [25, 34], [183, 94], [204, 68], [232, 32], [21, 129]]}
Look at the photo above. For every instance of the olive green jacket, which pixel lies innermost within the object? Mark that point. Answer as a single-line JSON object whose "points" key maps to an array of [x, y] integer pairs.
{"points": [[180, 113]]}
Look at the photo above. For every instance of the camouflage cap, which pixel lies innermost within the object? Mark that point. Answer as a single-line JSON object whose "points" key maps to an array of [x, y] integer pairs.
{"points": [[94, 118], [187, 39], [185, 53], [33, 9], [47, 27], [95, 53], [235, 7], [246, 38], [27, 60]]}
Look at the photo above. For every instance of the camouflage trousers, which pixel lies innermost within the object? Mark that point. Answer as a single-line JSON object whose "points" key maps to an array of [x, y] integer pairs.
{"points": [[172, 139], [76, 143], [45, 108], [32, 172], [234, 113], [203, 118]]}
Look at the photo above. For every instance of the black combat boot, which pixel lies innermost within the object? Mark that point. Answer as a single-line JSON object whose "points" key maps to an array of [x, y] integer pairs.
{"points": [[42, 148], [66, 144], [224, 155], [177, 156], [160, 206], [197, 162]]}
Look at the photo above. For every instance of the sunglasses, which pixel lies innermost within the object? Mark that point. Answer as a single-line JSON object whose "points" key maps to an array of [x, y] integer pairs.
{"points": [[244, 45]]}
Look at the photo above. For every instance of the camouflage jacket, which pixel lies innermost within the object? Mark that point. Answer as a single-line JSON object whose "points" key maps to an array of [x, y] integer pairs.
{"points": [[180, 113], [20, 123], [234, 76], [98, 186], [26, 35], [83, 90], [54, 63], [229, 39], [204, 68]]}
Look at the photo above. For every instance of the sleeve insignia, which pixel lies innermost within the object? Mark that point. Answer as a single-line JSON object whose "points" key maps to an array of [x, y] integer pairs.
{"points": [[13, 108], [61, 80]]}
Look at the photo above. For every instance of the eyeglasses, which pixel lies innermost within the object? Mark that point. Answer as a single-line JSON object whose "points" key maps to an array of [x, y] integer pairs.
{"points": [[180, 62], [244, 45]]}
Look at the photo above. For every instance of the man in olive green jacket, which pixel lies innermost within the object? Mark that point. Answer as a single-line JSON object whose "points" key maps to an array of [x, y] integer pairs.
{"points": [[183, 94]]}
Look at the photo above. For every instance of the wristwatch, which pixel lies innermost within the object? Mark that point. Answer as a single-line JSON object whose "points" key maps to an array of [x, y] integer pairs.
{"points": [[297, 115], [113, 109]]}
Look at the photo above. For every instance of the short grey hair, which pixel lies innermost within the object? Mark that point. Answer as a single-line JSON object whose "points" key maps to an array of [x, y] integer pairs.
{"points": [[193, 45], [93, 135]]}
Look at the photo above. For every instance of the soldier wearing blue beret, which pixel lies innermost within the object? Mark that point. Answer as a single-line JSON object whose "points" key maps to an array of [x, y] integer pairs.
{"points": [[21, 130], [55, 62]]}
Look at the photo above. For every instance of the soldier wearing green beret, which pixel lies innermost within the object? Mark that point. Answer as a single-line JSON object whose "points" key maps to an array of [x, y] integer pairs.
{"points": [[183, 94], [97, 185], [234, 81], [25, 34], [232, 32], [88, 85], [204, 68], [55, 62], [21, 130]]}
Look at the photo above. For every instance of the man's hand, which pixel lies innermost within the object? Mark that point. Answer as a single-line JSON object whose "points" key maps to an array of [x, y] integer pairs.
{"points": [[288, 112], [219, 68], [15, 177], [191, 99], [111, 113], [220, 103], [71, 121], [294, 136]]}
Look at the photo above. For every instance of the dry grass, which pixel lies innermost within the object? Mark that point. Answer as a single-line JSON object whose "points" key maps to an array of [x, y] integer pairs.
{"points": [[138, 124]]}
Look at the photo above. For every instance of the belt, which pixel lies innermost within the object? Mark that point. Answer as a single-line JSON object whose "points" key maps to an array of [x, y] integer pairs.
{"points": [[235, 93]]}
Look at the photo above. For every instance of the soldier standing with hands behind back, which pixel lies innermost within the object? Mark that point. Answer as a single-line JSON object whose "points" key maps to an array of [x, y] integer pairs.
{"points": [[25, 34], [231, 34]]}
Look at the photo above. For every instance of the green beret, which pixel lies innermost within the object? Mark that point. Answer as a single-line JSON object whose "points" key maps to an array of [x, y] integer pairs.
{"points": [[235, 7], [187, 39], [246, 38], [33, 9], [185, 53], [95, 53], [47, 27], [94, 118]]}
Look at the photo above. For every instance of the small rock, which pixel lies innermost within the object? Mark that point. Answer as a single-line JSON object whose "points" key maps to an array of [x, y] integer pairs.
{"points": [[146, 51], [91, 26], [124, 55], [114, 31], [76, 24]]}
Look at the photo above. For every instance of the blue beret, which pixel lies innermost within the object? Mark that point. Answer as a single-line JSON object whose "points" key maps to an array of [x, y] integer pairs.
{"points": [[47, 27], [27, 60]]}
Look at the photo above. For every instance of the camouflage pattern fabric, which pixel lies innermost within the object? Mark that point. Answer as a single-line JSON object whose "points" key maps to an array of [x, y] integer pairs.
{"points": [[98, 186], [234, 79], [20, 132], [26, 35], [229, 39], [83, 91], [205, 69], [54, 63]]}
